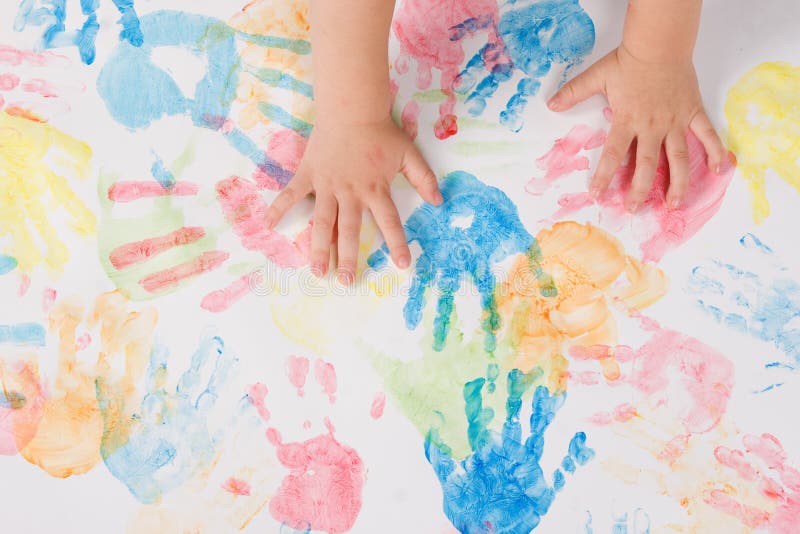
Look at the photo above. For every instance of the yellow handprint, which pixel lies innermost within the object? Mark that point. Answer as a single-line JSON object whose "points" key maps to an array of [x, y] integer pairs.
{"points": [[36, 163], [763, 111]]}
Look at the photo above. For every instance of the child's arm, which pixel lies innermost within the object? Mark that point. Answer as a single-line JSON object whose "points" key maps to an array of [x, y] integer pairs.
{"points": [[355, 150], [651, 86]]}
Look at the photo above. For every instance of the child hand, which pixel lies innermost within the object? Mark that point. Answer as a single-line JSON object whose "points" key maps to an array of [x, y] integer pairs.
{"points": [[349, 168], [653, 103]]}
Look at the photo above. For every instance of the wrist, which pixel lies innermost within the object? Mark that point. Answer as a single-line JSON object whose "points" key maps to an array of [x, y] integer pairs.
{"points": [[658, 31]]}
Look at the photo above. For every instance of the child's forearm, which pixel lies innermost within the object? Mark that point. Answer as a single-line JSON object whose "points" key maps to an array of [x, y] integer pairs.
{"points": [[661, 30], [350, 40]]}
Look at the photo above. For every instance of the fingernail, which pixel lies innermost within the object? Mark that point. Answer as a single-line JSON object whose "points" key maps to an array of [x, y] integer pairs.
{"points": [[403, 262], [674, 203], [438, 198], [594, 191], [269, 223], [318, 270], [553, 103], [633, 207], [345, 277]]}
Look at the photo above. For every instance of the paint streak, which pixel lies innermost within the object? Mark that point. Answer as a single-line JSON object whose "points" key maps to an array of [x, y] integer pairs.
{"points": [[48, 298], [52, 16], [222, 299], [297, 370], [22, 398], [23, 335], [174, 276], [30, 189], [658, 228], [7, 264], [69, 434], [325, 375], [763, 112], [14, 57], [256, 396], [591, 271], [430, 33], [237, 487], [762, 305], [167, 440], [378, 405], [536, 35], [763, 464], [502, 487], [129, 254], [123, 191], [454, 251], [323, 488]]}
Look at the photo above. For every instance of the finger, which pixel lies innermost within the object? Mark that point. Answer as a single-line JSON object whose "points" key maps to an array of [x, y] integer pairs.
{"points": [[349, 228], [419, 174], [647, 152], [578, 89], [678, 158], [321, 232], [297, 189], [388, 220], [701, 127], [614, 152]]}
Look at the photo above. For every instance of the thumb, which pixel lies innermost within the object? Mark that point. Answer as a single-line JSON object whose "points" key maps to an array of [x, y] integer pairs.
{"points": [[419, 174], [576, 90]]}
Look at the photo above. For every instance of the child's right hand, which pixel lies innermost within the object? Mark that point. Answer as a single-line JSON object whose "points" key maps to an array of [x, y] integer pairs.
{"points": [[349, 167]]}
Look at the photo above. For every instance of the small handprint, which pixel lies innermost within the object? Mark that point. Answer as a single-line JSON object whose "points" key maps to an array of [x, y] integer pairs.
{"points": [[68, 436], [167, 440], [763, 305], [38, 161], [762, 465], [52, 14], [432, 34], [322, 491], [501, 487], [656, 227], [536, 34], [763, 112], [476, 227]]}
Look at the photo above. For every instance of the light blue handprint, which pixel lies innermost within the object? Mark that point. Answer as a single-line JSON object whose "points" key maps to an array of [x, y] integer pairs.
{"points": [[501, 487], [537, 34], [475, 227], [167, 440], [137, 92], [52, 14], [766, 308]]}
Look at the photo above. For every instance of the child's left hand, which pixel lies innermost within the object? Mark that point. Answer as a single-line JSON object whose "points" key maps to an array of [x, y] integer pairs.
{"points": [[653, 103]]}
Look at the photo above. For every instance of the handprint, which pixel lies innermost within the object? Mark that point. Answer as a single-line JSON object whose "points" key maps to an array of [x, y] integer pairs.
{"points": [[656, 227], [764, 307], [52, 14], [167, 440], [501, 487], [37, 162], [431, 33], [536, 34], [762, 466], [763, 112], [26, 91], [476, 227], [68, 436]]}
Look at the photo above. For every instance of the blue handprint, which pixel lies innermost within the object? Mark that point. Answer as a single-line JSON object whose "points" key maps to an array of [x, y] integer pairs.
{"points": [[766, 309], [536, 36], [475, 227], [167, 440], [52, 14], [501, 487], [137, 92]]}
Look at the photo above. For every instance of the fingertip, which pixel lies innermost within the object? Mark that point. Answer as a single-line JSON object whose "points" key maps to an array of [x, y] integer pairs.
{"points": [[554, 104]]}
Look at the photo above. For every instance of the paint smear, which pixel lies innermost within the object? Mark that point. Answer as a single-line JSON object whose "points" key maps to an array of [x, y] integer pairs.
{"points": [[501, 486], [325, 375], [475, 228], [22, 398], [69, 434], [378, 405], [237, 486], [657, 228], [38, 161], [763, 112], [297, 370]]}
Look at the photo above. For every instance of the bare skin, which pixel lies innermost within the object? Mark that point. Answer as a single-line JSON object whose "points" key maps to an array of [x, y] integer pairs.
{"points": [[355, 149]]}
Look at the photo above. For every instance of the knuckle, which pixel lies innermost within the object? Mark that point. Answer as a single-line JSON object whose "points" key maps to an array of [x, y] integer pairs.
{"points": [[679, 154]]}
